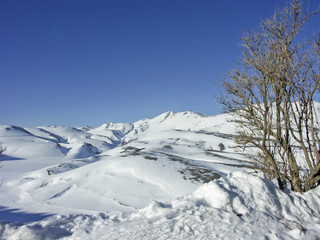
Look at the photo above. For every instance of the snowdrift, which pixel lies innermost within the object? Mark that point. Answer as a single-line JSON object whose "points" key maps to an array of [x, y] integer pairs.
{"points": [[239, 206]]}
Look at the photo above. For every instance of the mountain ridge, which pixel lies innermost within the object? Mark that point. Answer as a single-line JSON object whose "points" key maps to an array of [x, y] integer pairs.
{"points": [[161, 154]]}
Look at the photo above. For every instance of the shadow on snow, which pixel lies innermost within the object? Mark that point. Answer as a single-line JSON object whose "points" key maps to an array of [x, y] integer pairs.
{"points": [[18, 216], [9, 158]]}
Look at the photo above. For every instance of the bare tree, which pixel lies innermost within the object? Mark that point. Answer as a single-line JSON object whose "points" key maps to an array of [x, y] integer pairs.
{"points": [[272, 98], [2, 148]]}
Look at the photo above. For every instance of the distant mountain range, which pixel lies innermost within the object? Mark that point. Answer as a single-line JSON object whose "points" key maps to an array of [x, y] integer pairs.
{"points": [[117, 166]]}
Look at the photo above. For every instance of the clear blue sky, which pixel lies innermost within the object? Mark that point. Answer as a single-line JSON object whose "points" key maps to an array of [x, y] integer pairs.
{"points": [[87, 62]]}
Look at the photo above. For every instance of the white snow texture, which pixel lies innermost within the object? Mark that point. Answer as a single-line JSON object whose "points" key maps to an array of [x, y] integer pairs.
{"points": [[160, 178]]}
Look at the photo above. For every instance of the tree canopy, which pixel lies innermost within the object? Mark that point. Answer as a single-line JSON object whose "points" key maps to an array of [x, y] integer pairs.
{"points": [[272, 98]]}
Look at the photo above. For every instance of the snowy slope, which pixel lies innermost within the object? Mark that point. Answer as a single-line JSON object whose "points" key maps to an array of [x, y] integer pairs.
{"points": [[149, 173], [158, 159], [240, 206]]}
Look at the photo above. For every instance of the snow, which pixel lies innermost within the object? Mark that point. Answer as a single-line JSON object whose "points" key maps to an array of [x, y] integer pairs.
{"points": [[160, 178], [239, 206]]}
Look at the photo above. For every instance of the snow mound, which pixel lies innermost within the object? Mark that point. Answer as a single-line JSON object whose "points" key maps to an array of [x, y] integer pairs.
{"points": [[239, 206], [243, 193], [10, 131], [82, 150]]}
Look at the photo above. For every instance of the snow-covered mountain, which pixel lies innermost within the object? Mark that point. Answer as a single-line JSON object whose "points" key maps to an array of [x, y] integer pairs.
{"points": [[117, 166], [150, 170]]}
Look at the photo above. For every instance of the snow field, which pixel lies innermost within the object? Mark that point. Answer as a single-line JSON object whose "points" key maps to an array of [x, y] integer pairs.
{"points": [[160, 178], [227, 208]]}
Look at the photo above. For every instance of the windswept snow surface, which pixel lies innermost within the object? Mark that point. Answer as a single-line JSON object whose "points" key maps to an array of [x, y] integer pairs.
{"points": [[160, 178]]}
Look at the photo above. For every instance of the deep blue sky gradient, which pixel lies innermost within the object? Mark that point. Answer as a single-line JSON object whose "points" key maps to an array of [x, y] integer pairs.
{"points": [[82, 62]]}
